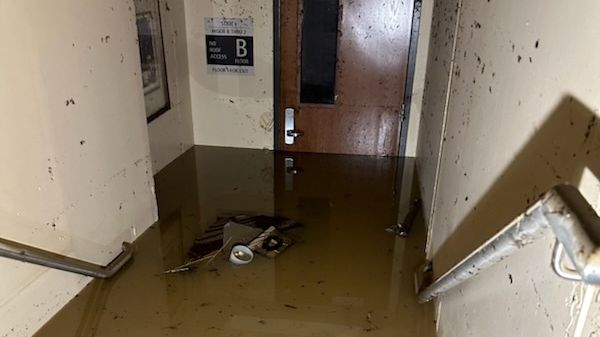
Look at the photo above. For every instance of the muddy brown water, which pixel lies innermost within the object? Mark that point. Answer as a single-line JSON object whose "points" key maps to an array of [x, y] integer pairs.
{"points": [[345, 276]]}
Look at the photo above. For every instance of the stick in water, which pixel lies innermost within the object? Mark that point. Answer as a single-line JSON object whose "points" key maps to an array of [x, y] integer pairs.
{"points": [[218, 251]]}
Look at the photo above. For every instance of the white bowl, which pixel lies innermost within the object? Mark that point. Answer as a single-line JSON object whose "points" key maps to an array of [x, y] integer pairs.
{"points": [[241, 254]]}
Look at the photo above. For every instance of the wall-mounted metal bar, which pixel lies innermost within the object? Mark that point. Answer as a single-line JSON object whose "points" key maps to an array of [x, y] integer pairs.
{"points": [[562, 209], [24, 253]]}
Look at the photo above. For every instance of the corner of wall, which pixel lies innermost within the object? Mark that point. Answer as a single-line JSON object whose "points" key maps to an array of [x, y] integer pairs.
{"points": [[172, 133]]}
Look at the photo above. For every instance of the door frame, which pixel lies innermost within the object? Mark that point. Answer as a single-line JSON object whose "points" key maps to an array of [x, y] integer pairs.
{"points": [[410, 74]]}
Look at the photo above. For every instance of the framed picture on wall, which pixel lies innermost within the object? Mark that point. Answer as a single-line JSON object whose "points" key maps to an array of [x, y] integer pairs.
{"points": [[152, 58], [148, 52]]}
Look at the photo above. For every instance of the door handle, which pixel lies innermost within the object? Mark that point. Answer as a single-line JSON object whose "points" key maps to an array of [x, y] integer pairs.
{"points": [[290, 132], [294, 133]]}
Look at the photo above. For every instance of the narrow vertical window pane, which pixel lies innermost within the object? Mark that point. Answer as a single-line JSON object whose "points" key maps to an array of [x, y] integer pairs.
{"points": [[319, 51], [154, 74]]}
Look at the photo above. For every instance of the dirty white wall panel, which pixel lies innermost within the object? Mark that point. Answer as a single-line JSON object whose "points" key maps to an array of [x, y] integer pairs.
{"points": [[432, 115], [521, 118], [231, 110], [172, 133], [76, 176]]}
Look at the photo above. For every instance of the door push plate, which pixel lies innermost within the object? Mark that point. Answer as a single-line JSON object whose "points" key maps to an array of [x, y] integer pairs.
{"points": [[290, 128]]}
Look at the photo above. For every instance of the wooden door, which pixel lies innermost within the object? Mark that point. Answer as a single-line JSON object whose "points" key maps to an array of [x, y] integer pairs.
{"points": [[345, 86]]}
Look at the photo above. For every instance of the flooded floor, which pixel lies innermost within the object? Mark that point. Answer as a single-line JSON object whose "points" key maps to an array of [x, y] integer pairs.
{"points": [[345, 276]]}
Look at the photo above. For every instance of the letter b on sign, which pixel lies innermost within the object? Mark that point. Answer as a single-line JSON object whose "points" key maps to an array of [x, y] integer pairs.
{"points": [[241, 49]]}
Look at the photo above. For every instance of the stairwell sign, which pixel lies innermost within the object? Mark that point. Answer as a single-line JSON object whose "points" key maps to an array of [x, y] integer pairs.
{"points": [[229, 45]]}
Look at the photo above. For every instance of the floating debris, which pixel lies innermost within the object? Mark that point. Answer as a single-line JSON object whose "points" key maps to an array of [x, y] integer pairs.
{"points": [[241, 254], [242, 228], [190, 264], [243, 234], [218, 251], [403, 229], [271, 242], [372, 326]]}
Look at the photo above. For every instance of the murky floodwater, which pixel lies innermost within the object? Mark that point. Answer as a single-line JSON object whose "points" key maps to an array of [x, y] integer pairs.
{"points": [[344, 276]]}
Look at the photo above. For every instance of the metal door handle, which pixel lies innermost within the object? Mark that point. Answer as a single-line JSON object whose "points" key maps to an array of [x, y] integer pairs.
{"points": [[290, 131], [294, 133]]}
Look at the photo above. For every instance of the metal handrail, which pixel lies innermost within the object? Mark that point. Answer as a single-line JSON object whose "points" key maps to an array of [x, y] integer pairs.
{"points": [[564, 210], [20, 252]]}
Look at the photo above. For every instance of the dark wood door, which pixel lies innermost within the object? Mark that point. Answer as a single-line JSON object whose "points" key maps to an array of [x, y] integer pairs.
{"points": [[343, 72]]}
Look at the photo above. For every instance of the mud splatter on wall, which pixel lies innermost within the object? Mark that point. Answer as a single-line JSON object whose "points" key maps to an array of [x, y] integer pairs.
{"points": [[76, 176], [520, 115], [435, 95]]}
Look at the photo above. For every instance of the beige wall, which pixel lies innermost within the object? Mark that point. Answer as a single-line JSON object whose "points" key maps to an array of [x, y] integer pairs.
{"points": [[516, 116], [231, 110], [172, 133], [76, 177]]}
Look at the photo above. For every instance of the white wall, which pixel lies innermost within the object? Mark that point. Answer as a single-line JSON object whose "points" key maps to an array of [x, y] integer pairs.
{"points": [[172, 133], [76, 177], [520, 117], [231, 110]]}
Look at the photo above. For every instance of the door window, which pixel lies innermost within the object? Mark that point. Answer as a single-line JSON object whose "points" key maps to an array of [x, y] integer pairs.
{"points": [[319, 51]]}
